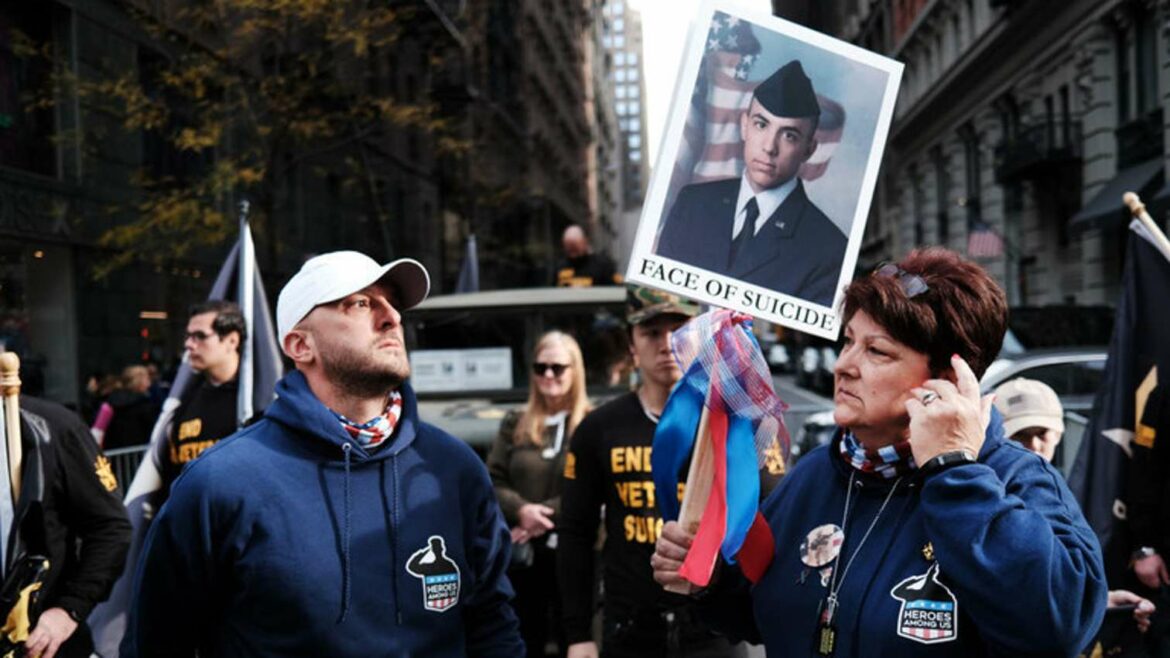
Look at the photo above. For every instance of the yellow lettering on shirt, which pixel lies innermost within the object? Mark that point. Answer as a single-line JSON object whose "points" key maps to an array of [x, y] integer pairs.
{"points": [[641, 529], [636, 495], [630, 459], [570, 466], [190, 429], [185, 452]]}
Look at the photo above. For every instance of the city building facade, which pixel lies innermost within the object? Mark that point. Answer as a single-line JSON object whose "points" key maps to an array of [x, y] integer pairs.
{"points": [[605, 157], [623, 39], [508, 77], [1019, 124]]}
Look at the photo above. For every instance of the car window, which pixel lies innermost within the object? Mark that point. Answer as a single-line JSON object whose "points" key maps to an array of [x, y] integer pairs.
{"points": [[1078, 378], [456, 340]]}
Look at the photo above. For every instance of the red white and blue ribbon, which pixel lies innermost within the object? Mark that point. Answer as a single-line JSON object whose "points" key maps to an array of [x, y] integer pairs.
{"points": [[725, 371]]}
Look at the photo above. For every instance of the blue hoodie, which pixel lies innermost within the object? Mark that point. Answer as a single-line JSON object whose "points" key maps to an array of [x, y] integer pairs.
{"points": [[289, 539], [985, 559]]}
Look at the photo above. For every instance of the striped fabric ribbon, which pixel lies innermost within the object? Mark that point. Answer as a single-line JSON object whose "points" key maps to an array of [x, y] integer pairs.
{"points": [[375, 431], [726, 372], [890, 461]]}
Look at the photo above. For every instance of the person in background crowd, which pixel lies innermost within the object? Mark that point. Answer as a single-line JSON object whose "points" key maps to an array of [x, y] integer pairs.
{"points": [[339, 524], [134, 411], [1034, 418], [526, 462], [582, 267], [1148, 512], [207, 413], [159, 387], [919, 530], [68, 510], [608, 466]]}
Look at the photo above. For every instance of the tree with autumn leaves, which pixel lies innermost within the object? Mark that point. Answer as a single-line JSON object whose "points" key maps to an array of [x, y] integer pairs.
{"points": [[243, 98]]}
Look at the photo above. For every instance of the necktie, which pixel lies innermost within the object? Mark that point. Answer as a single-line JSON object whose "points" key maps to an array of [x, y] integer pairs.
{"points": [[745, 233]]}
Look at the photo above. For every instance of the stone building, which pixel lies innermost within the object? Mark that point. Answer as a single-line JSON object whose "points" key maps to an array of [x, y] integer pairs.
{"points": [[605, 157], [624, 41], [1025, 117]]}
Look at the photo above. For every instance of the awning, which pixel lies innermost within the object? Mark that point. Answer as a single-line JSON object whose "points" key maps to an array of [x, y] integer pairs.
{"points": [[1106, 209]]}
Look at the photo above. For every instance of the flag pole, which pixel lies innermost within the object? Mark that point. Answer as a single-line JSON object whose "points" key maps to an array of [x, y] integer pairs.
{"points": [[1138, 209], [245, 279], [698, 488]]}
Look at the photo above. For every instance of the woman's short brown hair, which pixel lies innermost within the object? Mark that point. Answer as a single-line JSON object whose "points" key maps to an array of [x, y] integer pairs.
{"points": [[962, 310]]}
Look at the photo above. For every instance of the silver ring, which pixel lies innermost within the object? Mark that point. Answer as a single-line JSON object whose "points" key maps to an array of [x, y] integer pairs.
{"points": [[928, 397]]}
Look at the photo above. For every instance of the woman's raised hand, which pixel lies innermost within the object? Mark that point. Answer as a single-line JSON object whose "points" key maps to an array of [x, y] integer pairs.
{"points": [[946, 416]]}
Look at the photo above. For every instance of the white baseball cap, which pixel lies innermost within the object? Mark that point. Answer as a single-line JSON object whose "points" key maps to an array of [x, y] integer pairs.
{"points": [[329, 277], [1028, 403]]}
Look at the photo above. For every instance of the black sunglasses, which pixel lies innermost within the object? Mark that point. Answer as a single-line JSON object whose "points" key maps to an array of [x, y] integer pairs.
{"points": [[557, 369], [911, 284], [198, 336]]}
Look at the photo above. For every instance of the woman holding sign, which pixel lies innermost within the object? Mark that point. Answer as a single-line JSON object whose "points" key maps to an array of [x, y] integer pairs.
{"points": [[919, 530]]}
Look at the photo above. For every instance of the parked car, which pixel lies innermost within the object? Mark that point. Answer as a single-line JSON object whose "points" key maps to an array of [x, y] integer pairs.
{"points": [[470, 353]]}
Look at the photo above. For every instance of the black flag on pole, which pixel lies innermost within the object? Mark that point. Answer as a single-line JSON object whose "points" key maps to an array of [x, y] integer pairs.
{"points": [[1136, 352], [260, 368]]}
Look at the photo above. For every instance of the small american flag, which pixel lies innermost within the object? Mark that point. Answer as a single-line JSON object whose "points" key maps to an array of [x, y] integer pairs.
{"points": [[982, 240], [712, 148]]}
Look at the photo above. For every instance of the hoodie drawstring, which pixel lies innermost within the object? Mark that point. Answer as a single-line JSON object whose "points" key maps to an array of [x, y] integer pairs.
{"points": [[394, 528], [346, 448]]}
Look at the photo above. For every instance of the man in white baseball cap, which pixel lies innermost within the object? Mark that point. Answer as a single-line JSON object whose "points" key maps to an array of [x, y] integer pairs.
{"points": [[353, 528]]}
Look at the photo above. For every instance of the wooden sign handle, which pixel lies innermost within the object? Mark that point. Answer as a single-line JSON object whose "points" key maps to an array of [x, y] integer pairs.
{"points": [[698, 488], [10, 387]]}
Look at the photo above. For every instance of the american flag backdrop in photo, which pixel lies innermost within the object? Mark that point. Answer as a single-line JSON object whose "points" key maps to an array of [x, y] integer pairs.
{"points": [[982, 240], [711, 147]]}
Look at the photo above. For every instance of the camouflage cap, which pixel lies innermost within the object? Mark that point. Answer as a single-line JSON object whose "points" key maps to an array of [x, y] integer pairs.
{"points": [[643, 304]]}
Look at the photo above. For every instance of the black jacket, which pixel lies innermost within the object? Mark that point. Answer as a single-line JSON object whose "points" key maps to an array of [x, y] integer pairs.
{"points": [[69, 510]]}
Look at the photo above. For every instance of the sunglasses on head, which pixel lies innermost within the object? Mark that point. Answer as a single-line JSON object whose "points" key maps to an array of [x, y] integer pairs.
{"points": [[911, 284], [557, 369]]}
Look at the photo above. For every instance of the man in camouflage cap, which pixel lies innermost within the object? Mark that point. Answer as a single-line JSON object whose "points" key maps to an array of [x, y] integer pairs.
{"points": [[609, 464]]}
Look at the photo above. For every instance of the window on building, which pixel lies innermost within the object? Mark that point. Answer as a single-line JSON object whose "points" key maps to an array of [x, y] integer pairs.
{"points": [[634, 92], [620, 91], [633, 59], [621, 108], [635, 141], [1137, 74], [636, 156], [619, 41], [973, 164], [942, 192], [619, 75], [635, 108], [918, 208], [617, 9], [25, 137], [619, 25], [633, 75], [635, 124], [619, 58]]}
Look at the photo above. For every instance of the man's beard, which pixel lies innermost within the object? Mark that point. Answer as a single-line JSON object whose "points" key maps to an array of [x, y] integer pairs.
{"points": [[359, 376]]}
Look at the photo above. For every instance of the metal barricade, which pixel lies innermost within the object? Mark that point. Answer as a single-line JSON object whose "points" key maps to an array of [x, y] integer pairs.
{"points": [[125, 461]]}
